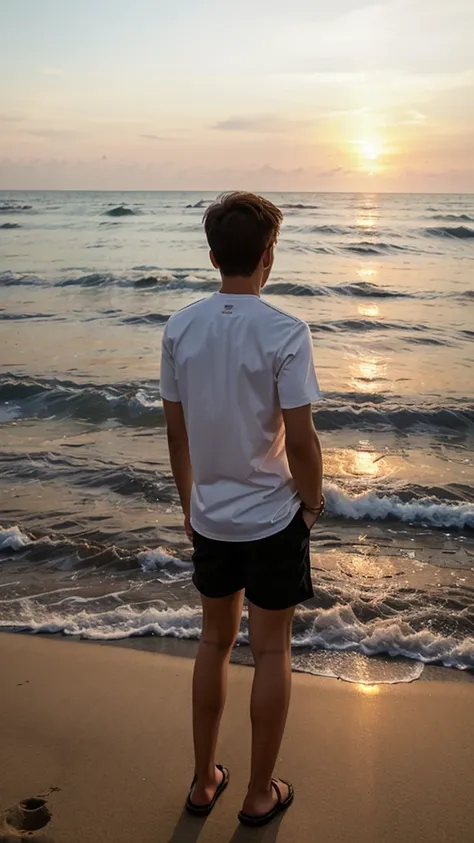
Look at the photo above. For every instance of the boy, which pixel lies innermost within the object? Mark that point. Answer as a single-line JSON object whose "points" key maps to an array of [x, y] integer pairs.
{"points": [[237, 382]]}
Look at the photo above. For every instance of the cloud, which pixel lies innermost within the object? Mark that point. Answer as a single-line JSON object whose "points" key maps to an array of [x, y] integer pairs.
{"points": [[259, 123], [154, 137], [161, 138], [415, 118], [53, 134], [391, 35], [11, 118], [334, 171]]}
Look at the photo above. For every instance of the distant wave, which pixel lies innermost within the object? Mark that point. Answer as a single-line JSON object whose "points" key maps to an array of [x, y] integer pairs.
{"points": [[423, 334], [323, 229], [335, 325], [282, 288], [189, 280], [139, 404], [309, 248], [460, 232], [379, 247], [20, 317], [341, 230], [200, 204], [108, 279], [95, 279], [358, 289], [300, 206], [120, 211], [391, 416], [146, 319], [9, 225], [453, 217], [128, 403], [14, 208], [17, 279], [367, 289], [192, 280]]}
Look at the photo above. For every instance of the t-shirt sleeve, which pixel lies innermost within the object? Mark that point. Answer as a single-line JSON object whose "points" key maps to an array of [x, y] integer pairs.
{"points": [[168, 382], [297, 383]]}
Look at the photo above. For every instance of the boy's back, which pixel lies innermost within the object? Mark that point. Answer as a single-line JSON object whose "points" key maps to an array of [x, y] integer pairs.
{"points": [[237, 381], [234, 362]]}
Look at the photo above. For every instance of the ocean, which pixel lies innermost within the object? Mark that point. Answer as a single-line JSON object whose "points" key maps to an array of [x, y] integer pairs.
{"points": [[91, 539]]}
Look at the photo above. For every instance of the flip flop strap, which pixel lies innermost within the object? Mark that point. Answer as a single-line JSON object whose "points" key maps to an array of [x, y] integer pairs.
{"points": [[277, 791]]}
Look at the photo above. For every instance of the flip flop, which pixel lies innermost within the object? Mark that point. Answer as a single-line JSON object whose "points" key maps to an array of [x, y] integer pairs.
{"points": [[205, 810], [280, 805]]}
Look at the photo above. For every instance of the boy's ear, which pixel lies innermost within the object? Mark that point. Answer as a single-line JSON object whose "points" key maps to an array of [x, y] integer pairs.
{"points": [[213, 260], [267, 258]]}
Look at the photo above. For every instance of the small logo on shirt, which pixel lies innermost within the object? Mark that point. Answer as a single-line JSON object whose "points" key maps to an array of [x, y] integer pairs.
{"points": [[228, 308]]}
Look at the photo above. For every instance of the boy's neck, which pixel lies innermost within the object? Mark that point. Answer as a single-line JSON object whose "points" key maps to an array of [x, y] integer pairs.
{"points": [[242, 285]]}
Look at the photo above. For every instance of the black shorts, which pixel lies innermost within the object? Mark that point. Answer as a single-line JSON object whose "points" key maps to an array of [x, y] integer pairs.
{"points": [[275, 572]]}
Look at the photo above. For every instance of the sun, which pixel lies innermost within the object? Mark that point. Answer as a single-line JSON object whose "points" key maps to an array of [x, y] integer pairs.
{"points": [[367, 153]]}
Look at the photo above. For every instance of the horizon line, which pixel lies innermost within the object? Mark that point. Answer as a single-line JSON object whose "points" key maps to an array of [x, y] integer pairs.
{"points": [[230, 190]]}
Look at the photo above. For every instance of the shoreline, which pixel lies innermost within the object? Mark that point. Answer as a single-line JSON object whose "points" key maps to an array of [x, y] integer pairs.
{"points": [[186, 648], [110, 728]]}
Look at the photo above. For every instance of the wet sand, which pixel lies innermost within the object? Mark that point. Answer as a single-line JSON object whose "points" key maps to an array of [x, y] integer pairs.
{"points": [[102, 735]]}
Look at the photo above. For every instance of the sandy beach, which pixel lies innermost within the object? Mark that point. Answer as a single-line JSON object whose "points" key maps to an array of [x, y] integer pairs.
{"points": [[102, 734]]}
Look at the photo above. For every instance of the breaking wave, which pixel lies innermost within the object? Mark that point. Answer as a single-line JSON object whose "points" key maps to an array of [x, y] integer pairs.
{"points": [[460, 232], [139, 404]]}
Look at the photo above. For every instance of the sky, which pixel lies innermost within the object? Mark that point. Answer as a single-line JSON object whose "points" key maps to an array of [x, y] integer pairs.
{"points": [[263, 95]]}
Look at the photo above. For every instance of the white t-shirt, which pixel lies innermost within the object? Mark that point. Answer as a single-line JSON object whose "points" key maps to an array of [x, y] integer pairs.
{"points": [[234, 361]]}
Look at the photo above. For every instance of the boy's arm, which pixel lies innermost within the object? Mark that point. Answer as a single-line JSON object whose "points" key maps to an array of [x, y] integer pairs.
{"points": [[297, 389], [178, 447], [304, 456]]}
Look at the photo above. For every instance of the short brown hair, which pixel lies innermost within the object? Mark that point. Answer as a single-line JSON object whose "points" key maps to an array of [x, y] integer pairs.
{"points": [[239, 227]]}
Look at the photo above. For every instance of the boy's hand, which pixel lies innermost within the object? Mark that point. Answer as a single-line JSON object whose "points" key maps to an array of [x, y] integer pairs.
{"points": [[309, 518], [187, 528], [310, 515]]}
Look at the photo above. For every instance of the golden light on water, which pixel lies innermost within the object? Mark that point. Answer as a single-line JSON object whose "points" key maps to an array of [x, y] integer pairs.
{"points": [[361, 462], [368, 213], [365, 463], [367, 221], [366, 273], [368, 369], [368, 690], [371, 310], [367, 372]]}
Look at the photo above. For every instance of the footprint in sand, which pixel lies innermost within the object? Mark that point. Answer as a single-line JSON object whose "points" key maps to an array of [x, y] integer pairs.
{"points": [[25, 821]]}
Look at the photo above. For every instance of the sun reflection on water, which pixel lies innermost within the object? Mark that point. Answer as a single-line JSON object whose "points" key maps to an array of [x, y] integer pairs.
{"points": [[365, 463], [369, 690], [368, 372], [370, 309], [368, 219], [366, 273], [362, 462]]}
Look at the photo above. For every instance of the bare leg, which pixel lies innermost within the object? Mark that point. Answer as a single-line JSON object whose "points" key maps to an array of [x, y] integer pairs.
{"points": [[221, 621], [270, 640]]}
